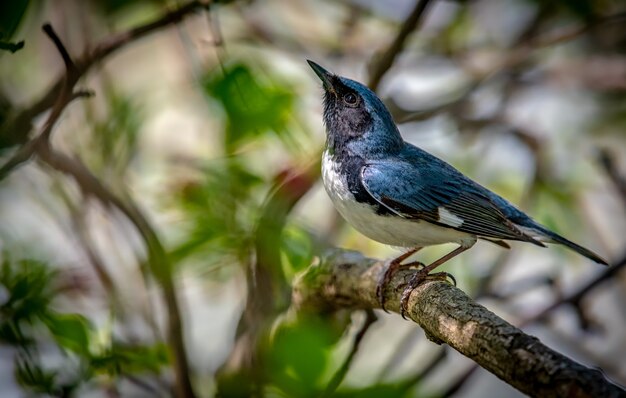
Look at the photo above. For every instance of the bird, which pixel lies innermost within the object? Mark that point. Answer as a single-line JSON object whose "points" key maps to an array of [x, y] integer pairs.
{"points": [[398, 194]]}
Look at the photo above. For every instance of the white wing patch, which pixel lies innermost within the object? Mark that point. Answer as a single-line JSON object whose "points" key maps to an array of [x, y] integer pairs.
{"points": [[446, 217]]}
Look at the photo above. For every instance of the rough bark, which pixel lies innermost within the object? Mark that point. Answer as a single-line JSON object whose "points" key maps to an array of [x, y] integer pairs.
{"points": [[346, 279]]}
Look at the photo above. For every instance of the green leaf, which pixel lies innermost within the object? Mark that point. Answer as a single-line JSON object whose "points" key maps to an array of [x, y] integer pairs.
{"points": [[299, 355], [32, 375], [11, 14], [71, 331], [220, 211], [253, 106], [12, 47], [116, 133], [375, 391], [28, 284], [297, 250], [131, 359]]}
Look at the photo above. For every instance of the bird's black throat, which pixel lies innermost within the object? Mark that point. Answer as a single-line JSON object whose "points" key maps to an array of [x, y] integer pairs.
{"points": [[349, 167]]}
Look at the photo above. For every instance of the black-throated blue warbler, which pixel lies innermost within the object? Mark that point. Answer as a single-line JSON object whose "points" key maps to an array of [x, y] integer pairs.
{"points": [[396, 193]]}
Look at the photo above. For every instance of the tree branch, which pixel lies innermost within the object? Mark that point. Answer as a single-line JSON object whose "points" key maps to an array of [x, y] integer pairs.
{"points": [[15, 130], [340, 374], [348, 280], [160, 265], [381, 64]]}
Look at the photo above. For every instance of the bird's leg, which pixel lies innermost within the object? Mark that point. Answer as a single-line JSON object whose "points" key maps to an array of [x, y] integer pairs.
{"points": [[424, 274], [393, 266]]}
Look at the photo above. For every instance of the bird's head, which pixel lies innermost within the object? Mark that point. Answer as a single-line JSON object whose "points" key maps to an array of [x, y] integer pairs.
{"points": [[356, 119]]}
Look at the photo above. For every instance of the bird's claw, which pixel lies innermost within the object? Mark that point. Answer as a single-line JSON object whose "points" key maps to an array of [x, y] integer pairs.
{"points": [[390, 270], [416, 280]]}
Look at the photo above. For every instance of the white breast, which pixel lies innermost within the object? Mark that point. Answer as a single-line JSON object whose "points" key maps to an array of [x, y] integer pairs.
{"points": [[390, 230]]}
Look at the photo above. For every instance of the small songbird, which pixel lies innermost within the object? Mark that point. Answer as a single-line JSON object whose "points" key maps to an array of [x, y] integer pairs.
{"points": [[397, 194]]}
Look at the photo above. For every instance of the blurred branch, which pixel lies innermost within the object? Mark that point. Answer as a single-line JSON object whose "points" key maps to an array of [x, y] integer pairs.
{"points": [[338, 377], [607, 160], [15, 130], [65, 96], [58, 97], [348, 280], [268, 289], [520, 53], [577, 296], [70, 67], [157, 257], [381, 63]]}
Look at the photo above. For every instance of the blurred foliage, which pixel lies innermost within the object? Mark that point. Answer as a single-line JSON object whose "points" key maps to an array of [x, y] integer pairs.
{"points": [[297, 250], [222, 207], [116, 133], [300, 354], [220, 211], [111, 7], [232, 212], [11, 14], [28, 320], [253, 106]]}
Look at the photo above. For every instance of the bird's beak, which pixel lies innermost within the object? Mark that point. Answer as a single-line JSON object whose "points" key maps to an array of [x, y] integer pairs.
{"points": [[324, 75]]}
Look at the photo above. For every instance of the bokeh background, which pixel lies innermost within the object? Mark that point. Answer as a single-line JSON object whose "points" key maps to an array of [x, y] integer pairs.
{"points": [[211, 131]]}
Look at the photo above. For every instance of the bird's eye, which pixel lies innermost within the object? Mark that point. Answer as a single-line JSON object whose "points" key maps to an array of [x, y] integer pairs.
{"points": [[350, 99]]}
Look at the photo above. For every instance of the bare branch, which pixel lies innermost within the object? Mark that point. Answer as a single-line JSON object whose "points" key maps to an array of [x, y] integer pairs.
{"points": [[348, 280], [576, 297], [381, 63], [70, 67], [607, 160], [158, 260], [17, 127], [338, 377]]}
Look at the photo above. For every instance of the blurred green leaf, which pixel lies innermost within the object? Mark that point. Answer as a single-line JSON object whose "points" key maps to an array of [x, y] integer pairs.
{"points": [[299, 355], [29, 287], [584, 9], [131, 359], [220, 209], [31, 375], [253, 106], [115, 137], [297, 250], [11, 14], [71, 331], [10, 46], [375, 391]]}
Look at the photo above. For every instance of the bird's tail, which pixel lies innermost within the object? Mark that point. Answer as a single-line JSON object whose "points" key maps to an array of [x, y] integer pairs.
{"points": [[553, 237]]}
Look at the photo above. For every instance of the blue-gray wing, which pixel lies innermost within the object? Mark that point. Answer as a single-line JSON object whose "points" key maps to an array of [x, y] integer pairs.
{"points": [[439, 195]]}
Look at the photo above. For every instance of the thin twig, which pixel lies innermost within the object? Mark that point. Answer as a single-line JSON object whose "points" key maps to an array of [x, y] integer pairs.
{"points": [[401, 349], [607, 160], [58, 97], [425, 371], [15, 130], [338, 377], [268, 289], [157, 257], [453, 388], [70, 67], [577, 296], [381, 63]]}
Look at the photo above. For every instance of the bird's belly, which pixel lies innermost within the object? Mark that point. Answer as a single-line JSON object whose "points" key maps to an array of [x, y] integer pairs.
{"points": [[388, 229], [394, 230]]}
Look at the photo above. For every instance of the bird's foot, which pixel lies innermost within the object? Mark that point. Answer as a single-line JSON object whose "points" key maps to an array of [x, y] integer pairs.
{"points": [[418, 278], [390, 269]]}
